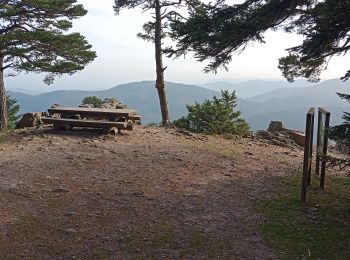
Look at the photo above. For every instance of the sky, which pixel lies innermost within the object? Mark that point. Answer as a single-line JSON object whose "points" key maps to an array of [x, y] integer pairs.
{"points": [[123, 58]]}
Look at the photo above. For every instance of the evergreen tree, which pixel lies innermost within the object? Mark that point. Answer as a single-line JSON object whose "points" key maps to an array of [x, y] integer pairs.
{"points": [[216, 31], [341, 132], [217, 116], [34, 38], [155, 31], [93, 100], [13, 109]]}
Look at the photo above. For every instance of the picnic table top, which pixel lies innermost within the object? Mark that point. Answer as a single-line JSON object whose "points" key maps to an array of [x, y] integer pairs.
{"points": [[93, 111]]}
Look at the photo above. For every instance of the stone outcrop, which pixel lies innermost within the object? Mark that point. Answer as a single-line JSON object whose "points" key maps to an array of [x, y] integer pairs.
{"points": [[276, 126], [112, 103], [30, 120], [296, 136], [279, 135]]}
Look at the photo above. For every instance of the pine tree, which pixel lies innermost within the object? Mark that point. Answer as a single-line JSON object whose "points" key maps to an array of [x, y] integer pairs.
{"points": [[341, 133], [216, 116], [155, 31], [13, 109], [34, 38], [217, 30]]}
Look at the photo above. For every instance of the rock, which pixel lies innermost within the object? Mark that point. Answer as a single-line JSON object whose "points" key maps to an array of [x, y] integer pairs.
{"points": [[113, 131], [263, 134], [297, 137], [275, 126], [112, 103], [60, 190], [343, 147], [69, 231], [285, 138], [30, 120]]}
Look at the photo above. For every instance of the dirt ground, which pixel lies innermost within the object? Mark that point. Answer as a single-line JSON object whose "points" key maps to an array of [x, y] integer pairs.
{"points": [[147, 194]]}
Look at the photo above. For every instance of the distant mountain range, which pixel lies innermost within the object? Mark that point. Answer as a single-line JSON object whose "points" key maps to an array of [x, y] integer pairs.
{"points": [[139, 95], [251, 88], [287, 104]]}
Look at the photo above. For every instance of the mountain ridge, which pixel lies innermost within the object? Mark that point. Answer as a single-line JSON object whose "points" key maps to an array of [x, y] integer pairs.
{"points": [[285, 104]]}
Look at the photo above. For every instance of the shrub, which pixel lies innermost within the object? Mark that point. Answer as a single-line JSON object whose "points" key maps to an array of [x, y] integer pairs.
{"points": [[216, 116], [12, 110], [93, 100]]}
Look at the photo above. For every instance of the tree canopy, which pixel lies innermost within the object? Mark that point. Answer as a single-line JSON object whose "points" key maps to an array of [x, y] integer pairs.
{"points": [[34, 37], [92, 100], [216, 31], [33, 40]]}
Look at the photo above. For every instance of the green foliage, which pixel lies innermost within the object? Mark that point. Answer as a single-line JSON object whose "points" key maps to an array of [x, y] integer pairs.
{"points": [[215, 116], [12, 111], [217, 30], [97, 102], [34, 37], [342, 132], [319, 229]]}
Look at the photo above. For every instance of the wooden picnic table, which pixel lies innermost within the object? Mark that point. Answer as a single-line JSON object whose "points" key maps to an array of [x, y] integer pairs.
{"points": [[93, 111], [69, 117]]}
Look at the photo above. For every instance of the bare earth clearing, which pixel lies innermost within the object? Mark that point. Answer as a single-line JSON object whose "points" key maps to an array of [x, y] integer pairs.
{"points": [[150, 193]]}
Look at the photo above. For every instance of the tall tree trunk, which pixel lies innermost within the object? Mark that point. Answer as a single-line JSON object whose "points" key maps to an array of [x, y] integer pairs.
{"points": [[3, 109], [160, 84]]}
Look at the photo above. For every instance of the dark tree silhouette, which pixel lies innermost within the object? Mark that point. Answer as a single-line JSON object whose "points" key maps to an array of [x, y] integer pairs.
{"points": [[155, 31], [33, 39], [216, 31]]}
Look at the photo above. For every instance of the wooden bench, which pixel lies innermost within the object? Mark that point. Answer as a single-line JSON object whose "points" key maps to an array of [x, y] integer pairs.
{"points": [[69, 117], [84, 123]]}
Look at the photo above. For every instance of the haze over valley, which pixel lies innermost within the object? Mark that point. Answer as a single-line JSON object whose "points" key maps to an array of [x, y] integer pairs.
{"points": [[259, 101]]}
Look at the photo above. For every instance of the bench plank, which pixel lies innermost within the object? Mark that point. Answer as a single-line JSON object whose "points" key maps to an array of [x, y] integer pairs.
{"points": [[84, 123], [93, 111], [136, 118]]}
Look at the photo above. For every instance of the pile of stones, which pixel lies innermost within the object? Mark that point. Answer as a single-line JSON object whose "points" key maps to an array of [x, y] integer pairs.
{"points": [[278, 134]]}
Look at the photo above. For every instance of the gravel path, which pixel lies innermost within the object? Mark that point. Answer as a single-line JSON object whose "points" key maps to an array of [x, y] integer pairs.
{"points": [[148, 194]]}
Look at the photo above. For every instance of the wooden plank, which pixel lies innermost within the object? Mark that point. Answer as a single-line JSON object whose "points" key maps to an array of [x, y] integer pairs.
{"points": [[325, 148], [311, 148], [92, 111], [318, 143], [84, 123], [136, 118], [307, 149]]}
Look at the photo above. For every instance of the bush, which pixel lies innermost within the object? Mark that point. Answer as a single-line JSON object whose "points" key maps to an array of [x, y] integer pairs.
{"points": [[12, 111], [215, 116], [342, 132], [93, 100]]}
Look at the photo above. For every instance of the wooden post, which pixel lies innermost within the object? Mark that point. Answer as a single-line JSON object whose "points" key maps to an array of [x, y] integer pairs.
{"points": [[318, 143], [311, 149], [325, 148], [307, 150]]}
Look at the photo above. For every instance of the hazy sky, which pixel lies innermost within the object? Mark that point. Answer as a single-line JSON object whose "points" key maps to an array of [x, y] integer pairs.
{"points": [[122, 57]]}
